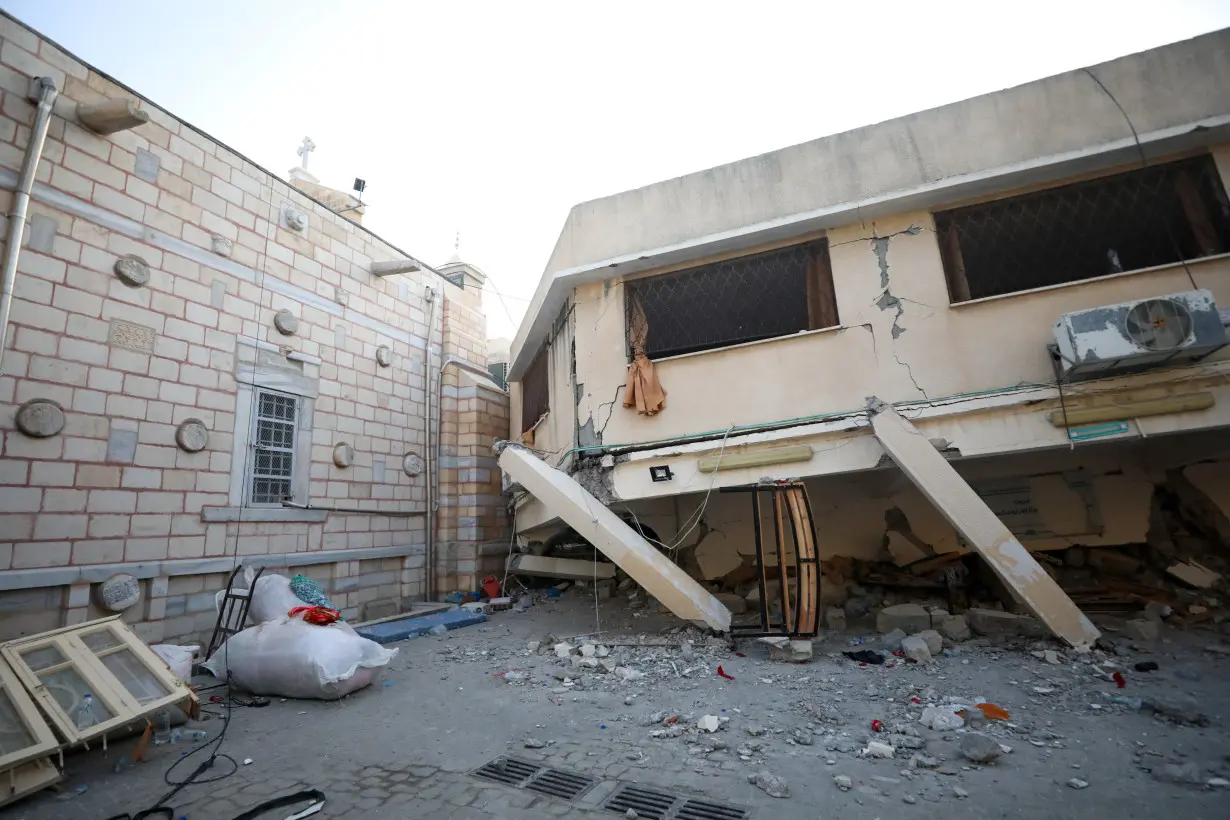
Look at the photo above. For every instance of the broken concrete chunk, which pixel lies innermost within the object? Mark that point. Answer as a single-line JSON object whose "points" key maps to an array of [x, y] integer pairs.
{"points": [[1142, 629], [915, 649], [1193, 574], [835, 619], [938, 616], [875, 749], [1176, 709], [784, 649], [1180, 773], [534, 743], [979, 748], [563, 649], [941, 718], [935, 641], [708, 723], [588, 650], [769, 783], [909, 618], [995, 623], [1077, 783], [955, 628], [892, 641]]}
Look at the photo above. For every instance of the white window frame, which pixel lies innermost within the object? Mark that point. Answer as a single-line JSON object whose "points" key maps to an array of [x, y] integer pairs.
{"points": [[255, 447], [269, 373], [44, 739]]}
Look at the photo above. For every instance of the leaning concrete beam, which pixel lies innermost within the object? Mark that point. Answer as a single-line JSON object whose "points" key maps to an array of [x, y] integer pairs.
{"points": [[924, 465], [615, 539], [568, 569]]}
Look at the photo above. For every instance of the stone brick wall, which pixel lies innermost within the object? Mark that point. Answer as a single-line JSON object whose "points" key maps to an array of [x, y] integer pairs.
{"points": [[112, 492]]}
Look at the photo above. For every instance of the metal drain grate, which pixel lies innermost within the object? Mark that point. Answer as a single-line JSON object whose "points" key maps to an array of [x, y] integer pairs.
{"points": [[522, 774], [656, 804]]}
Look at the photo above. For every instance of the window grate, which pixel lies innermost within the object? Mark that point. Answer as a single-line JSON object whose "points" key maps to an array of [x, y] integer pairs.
{"points": [[273, 463], [1140, 219], [762, 296]]}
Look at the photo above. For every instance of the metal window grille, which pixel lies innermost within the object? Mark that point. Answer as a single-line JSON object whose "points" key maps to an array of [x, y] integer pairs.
{"points": [[775, 293], [273, 443], [535, 391], [499, 373], [1144, 218]]}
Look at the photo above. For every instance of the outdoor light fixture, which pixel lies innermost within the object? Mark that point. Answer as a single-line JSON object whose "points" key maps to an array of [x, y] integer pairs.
{"points": [[662, 473]]}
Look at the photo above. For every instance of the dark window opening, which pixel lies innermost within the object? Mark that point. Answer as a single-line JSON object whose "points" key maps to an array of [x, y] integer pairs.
{"points": [[770, 294], [535, 391], [1140, 219]]}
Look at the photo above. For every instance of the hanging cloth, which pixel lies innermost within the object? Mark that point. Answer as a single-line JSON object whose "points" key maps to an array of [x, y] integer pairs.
{"points": [[642, 391]]}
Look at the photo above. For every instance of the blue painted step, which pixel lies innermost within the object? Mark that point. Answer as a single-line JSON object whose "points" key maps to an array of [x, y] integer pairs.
{"points": [[412, 627]]}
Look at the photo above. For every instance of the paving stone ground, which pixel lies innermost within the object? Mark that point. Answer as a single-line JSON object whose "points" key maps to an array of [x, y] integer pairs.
{"points": [[407, 747]]}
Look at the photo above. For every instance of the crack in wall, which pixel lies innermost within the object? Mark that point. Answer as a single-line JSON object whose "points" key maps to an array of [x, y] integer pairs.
{"points": [[887, 301]]}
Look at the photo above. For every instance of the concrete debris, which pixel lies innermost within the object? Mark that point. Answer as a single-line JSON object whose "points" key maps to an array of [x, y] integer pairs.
{"points": [[915, 649], [891, 641], [1186, 774], [875, 749], [843, 782], [532, 646], [1178, 710], [709, 723], [938, 616], [955, 628], [1005, 624], [1143, 629], [941, 719], [1193, 574], [769, 783], [909, 799], [979, 748], [786, 650], [755, 730], [563, 650], [1077, 783], [588, 650], [625, 673], [924, 762], [735, 603], [909, 618], [909, 742], [535, 743], [632, 814], [935, 641], [835, 619], [802, 736], [959, 793]]}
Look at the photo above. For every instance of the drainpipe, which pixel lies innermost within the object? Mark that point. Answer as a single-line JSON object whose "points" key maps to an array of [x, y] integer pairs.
{"points": [[451, 361], [42, 90], [429, 564]]}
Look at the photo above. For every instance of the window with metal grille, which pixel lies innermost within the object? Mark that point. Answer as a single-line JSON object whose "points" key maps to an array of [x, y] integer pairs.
{"points": [[761, 296], [535, 391], [1140, 219], [273, 444]]}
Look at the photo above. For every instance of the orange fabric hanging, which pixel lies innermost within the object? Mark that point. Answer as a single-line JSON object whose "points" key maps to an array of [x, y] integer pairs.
{"points": [[642, 391]]}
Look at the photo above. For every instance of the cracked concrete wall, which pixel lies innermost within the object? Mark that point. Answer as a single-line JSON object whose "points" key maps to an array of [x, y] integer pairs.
{"points": [[899, 339]]}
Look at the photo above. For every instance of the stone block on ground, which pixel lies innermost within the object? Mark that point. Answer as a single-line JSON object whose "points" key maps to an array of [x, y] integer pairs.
{"points": [[979, 748], [835, 619], [788, 651], [995, 623], [955, 628], [891, 641], [938, 616], [1142, 629], [909, 618], [935, 641], [915, 649]]}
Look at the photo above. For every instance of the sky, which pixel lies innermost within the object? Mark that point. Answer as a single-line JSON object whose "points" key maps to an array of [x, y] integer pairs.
{"points": [[492, 119]]}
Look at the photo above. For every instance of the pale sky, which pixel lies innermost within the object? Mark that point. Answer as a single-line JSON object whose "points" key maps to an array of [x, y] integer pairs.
{"points": [[494, 118]]}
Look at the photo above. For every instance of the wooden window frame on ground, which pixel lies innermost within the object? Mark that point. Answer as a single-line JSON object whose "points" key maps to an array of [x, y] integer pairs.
{"points": [[23, 706], [105, 687]]}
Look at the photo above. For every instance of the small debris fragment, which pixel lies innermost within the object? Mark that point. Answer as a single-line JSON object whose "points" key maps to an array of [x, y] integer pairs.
{"points": [[909, 798], [1179, 773], [843, 782], [878, 750], [769, 783], [979, 748], [708, 723], [959, 793], [535, 743], [1077, 783]]}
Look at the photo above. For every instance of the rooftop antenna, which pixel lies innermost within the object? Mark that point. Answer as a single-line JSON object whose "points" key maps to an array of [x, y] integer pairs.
{"points": [[360, 185]]}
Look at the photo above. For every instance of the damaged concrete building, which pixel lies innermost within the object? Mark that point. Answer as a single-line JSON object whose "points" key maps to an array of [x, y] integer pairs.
{"points": [[1037, 280]]}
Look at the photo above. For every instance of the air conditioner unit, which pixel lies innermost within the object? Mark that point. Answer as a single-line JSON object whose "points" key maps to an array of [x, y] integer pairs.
{"points": [[1138, 335]]}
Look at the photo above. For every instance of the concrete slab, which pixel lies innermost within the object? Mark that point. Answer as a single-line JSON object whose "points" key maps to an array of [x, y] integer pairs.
{"points": [[571, 569], [414, 626], [958, 502], [615, 539]]}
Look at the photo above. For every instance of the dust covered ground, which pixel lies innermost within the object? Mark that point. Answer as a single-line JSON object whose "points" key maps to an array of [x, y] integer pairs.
{"points": [[1075, 745]]}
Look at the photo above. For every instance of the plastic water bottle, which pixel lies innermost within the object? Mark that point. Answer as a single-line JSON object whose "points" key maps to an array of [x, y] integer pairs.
{"points": [[162, 728], [85, 711]]}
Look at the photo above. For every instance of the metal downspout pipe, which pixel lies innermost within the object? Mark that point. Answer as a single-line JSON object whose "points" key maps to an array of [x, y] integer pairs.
{"points": [[44, 90], [433, 296], [451, 361]]}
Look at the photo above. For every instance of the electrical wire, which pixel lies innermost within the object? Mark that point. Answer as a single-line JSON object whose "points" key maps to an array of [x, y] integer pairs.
{"points": [[1180, 257]]}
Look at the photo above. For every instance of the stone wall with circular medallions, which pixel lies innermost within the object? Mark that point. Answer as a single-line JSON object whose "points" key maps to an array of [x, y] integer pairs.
{"points": [[132, 270], [286, 322], [192, 435], [412, 464], [343, 454], [118, 593], [384, 356], [40, 418]]}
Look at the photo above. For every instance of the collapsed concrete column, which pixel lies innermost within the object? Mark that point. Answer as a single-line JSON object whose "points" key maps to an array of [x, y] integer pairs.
{"points": [[958, 502], [613, 538]]}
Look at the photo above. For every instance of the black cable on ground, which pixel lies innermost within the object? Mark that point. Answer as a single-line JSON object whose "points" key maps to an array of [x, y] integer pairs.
{"points": [[208, 763]]}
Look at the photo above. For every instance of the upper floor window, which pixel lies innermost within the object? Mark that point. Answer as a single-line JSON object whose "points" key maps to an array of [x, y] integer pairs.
{"points": [[535, 391], [775, 293], [1140, 219]]}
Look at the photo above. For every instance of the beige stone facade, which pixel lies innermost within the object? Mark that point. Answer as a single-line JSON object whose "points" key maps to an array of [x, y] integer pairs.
{"points": [[129, 365]]}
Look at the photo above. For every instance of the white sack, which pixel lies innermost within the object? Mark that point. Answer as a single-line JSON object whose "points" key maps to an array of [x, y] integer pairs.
{"points": [[292, 659], [272, 598], [178, 658]]}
